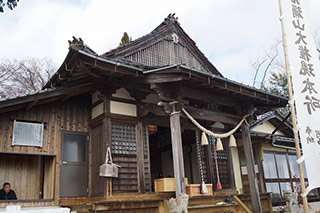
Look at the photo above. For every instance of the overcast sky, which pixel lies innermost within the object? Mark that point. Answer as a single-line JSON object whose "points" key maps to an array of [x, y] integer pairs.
{"points": [[231, 33]]}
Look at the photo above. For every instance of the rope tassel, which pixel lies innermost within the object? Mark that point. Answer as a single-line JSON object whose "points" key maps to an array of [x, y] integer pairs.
{"points": [[219, 145], [232, 141], [204, 139]]}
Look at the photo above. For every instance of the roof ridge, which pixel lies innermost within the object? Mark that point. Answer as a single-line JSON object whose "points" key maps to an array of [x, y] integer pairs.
{"points": [[158, 29]]}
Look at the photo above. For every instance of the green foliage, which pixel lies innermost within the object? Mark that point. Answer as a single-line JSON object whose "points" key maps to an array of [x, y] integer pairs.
{"points": [[10, 4], [278, 84], [125, 39]]}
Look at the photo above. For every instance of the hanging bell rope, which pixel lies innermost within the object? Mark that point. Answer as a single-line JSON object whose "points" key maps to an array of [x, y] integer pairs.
{"points": [[216, 162], [203, 187]]}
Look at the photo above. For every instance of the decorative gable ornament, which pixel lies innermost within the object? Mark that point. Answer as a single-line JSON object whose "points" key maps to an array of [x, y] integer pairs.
{"points": [[175, 38]]}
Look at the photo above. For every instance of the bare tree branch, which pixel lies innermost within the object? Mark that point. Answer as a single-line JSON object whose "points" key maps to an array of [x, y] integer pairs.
{"points": [[257, 66], [267, 69], [24, 76]]}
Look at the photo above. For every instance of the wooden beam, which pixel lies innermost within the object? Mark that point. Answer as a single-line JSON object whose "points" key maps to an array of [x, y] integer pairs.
{"points": [[200, 114], [140, 158], [152, 108], [204, 95], [177, 152], [240, 203], [209, 115], [82, 67], [252, 177], [106, 140], [167, 91], [260, 167], [32, 104], [163, 78]]}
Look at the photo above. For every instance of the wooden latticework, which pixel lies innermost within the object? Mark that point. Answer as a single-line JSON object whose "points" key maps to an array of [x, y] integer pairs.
{"points": [[166, 52], [123, 148], [123, 139], [147, 169], [124, 152]]}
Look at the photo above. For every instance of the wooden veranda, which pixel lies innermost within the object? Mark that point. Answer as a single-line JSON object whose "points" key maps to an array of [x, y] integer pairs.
{"points": [[154, 203]]}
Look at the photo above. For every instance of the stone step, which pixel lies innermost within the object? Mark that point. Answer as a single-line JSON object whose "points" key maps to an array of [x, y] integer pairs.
{"points": [[214, 208]]}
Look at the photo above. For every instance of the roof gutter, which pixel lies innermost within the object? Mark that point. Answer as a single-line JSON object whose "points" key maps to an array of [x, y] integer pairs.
{"points": [[274, 139], [161, 69]]}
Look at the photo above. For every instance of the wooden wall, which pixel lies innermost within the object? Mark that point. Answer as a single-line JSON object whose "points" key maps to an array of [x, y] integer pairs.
{"points": [[98, 147], [23, 173], [71, 115]]}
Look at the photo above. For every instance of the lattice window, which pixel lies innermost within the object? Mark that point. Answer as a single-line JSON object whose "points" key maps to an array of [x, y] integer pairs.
{"points": [[145, 141], [123, 137]]}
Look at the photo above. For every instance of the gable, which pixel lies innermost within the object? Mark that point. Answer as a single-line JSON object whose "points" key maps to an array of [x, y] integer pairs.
{"points": [[266, 127], [169, 50], [167, 45]]}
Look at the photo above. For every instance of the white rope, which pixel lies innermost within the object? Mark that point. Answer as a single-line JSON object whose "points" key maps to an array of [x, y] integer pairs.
{"points": [[208, 132]]}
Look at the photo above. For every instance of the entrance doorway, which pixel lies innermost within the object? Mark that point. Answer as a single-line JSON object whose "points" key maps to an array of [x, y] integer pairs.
{"points": [[161, 155], [162, 162], [74, 165]]}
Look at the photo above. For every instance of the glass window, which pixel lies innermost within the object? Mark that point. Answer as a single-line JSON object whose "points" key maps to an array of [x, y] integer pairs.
{"points": [[282, 166], [285, 186], [74, 147], [269, 166], [274, 188], [294, 167]]}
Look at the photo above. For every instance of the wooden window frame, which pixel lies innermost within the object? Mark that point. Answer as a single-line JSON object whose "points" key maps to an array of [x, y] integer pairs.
{"points": [[281, 180]]}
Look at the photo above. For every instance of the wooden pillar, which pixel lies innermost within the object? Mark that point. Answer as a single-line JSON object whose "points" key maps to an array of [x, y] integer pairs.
{"points": [[177, 151], [140, 158], [106, 142], [252, 177], [260, 167]]}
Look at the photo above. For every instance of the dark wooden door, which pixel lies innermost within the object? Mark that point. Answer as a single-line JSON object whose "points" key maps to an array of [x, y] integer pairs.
{"points": [[74, 165]]}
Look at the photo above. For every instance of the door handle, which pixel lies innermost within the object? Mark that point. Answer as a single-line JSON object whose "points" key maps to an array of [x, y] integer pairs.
{"points": [[64, 162]]}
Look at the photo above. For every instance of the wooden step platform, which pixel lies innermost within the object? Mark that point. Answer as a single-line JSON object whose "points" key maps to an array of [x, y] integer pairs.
{"points": [[154, 203], [214, 208]]}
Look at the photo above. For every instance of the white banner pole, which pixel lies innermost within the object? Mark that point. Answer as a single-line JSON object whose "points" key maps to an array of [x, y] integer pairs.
{"points": [[291, 102]]}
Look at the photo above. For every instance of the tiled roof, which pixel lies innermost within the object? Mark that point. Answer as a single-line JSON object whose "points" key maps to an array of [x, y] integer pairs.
{"points": [[27, 94]]}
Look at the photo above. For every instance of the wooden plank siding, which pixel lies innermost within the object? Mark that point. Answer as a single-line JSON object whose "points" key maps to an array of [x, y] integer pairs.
{"points": [[28, 168], [70, 115], [57, 116]]}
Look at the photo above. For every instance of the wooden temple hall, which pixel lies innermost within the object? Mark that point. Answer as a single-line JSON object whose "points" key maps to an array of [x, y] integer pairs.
{"points": [[131, 101]]}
